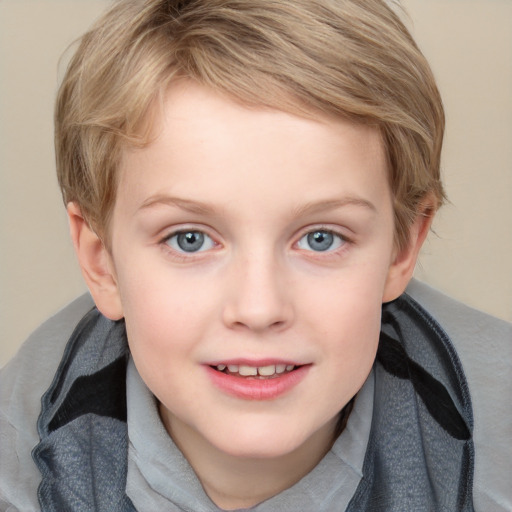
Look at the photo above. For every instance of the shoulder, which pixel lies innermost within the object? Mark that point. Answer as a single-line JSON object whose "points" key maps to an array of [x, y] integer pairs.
{"points": [[22, 382], [484, 346], [459, 320]]}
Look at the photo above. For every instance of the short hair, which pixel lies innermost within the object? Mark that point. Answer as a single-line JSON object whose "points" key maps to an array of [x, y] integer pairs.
{"points": [[350, 59]]}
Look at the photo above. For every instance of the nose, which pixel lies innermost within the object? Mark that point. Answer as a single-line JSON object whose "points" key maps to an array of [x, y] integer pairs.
{"points": [[258, 297]]}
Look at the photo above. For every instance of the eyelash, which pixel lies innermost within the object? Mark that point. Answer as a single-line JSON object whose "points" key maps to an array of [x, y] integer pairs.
{"points": [[344, 243], [182, 254]]}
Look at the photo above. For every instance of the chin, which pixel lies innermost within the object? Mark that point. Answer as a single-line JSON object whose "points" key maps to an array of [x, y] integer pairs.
{"points": [[261, 442], [247, 451]]}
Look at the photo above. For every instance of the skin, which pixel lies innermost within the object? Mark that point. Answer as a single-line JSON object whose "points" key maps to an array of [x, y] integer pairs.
{"points": [[255, 182]]}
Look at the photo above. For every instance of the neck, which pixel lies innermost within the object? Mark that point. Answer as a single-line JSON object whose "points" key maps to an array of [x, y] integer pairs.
{"points": [[234, 482]]}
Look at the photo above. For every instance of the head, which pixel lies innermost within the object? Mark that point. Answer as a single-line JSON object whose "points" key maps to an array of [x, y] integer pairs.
{"points": [[247, 182], [343, 59]]}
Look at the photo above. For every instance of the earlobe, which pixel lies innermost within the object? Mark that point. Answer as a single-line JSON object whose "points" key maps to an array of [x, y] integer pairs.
{"points": [[95, 263], [401, 269]]}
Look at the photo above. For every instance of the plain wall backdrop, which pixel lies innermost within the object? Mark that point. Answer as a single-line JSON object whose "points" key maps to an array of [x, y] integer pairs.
{"points": [[469, 46]]}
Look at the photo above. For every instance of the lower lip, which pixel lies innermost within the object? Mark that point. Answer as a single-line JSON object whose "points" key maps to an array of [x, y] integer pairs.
{"points": [[248, 388]]}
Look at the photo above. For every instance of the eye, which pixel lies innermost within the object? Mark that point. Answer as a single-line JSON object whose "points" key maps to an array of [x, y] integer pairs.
{"points": [[190, 241], [321, 240]]}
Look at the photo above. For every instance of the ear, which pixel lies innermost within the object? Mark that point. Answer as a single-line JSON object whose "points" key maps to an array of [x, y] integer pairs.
{"points": [[401, 269], [96, 264]]}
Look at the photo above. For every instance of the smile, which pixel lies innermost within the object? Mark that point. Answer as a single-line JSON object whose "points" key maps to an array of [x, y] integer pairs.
{"points": [[262, 372], [257, 382]]}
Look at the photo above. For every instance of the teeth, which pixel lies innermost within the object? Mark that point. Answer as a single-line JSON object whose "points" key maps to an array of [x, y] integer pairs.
{"points": [[247, 371], [267, 370], [251, 371]]}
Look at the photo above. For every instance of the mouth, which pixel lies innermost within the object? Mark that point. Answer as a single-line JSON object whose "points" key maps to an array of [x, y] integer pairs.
{"points": [[270, 371], [257, 381]]}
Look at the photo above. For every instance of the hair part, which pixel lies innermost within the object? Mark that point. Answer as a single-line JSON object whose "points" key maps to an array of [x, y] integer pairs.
{"points": [[340, 58]]}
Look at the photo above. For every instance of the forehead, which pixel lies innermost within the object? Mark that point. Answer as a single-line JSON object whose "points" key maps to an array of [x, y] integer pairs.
{"points": [[207, 144]]}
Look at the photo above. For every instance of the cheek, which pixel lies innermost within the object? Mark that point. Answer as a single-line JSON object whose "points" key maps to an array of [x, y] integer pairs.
{"points": [[162, 336], [347, 316], [353, 347], [169, 314], [355, 336], [156, 294], [161, 314]]}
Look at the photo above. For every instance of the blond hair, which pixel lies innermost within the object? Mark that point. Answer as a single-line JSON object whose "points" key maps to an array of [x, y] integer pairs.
{"points": [[344, 58]]}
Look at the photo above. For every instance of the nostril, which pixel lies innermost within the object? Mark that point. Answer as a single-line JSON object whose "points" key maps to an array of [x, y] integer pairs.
{"points": [[257, 311]]}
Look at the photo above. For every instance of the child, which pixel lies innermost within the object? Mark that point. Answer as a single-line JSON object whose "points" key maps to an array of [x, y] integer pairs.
{"points": [[248, 185]]}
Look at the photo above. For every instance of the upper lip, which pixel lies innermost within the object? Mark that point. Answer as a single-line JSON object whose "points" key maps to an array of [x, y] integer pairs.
{"points": [[254, 362]]}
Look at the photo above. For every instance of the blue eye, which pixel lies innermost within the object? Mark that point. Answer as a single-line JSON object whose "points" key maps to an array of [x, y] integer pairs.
{"points": [[320, 241], [190, 241]]}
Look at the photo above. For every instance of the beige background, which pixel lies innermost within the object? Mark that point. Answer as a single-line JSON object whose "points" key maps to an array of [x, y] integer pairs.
{"points": [[469, 45]]}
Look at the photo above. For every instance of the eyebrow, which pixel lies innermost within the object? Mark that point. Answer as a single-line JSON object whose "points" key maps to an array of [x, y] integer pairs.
{"points": [[309, 208], [185, 204], [333, 204]]}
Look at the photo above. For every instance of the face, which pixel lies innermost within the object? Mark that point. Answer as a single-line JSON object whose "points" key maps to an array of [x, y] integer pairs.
{"points": [[252, 251]]}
